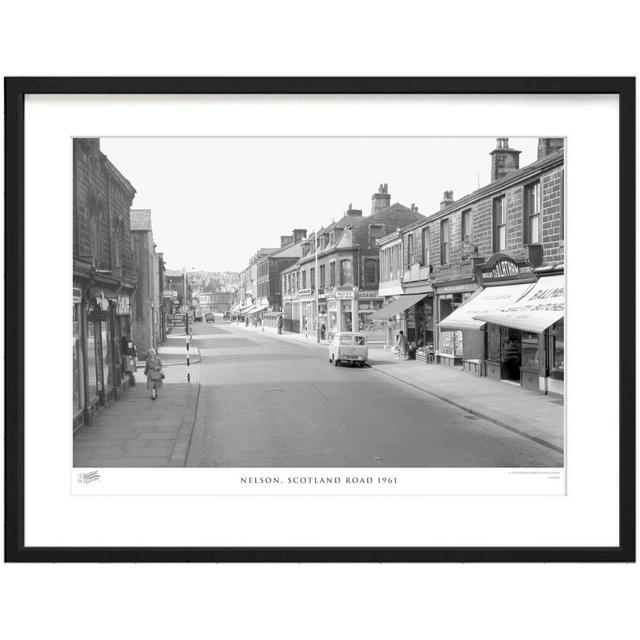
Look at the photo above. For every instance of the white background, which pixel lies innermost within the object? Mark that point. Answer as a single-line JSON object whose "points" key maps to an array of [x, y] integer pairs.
{"points": [[349, 601], [587, 516]]}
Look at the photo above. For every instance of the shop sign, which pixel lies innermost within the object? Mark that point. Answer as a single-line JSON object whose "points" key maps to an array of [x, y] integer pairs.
{"points": [[342, 294], [457, 288], [178, 320], [304, 292], [77, 295], [169, 293], [102, 303], [367, 294], [501, 267], [122, 306]]}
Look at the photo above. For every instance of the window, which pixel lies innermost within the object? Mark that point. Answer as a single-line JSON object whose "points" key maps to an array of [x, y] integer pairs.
{"points": [[322, 275], [345, 272], [499, 224], [410, 249], [532, 212], [304, 279], [312, 279], [376, 231], [445, 243], [426, 246], [556, 349], [370, 278], [465, 226], [332, 274]]}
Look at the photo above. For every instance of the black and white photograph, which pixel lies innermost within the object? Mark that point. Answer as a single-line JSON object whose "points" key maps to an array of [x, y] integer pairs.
{"points": [[318, 302]]}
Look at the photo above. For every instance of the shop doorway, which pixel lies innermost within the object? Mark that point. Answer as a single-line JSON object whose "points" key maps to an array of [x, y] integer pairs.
{"points": [[510, 354]]}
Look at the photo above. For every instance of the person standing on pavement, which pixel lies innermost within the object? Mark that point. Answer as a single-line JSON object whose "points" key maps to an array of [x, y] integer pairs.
{"points": [[402, 345], [153, 371]]}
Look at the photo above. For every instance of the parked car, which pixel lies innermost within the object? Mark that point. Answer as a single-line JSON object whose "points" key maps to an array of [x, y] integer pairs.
{"points": [[197, 317], [348, 347], [210, 317]]}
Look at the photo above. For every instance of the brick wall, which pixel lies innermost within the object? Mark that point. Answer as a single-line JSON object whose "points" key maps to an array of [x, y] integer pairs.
{"points": [[552, 186]]}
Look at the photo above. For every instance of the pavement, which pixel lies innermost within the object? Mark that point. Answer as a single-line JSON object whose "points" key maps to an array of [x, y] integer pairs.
{"points": [[528, 413], [136, 431]]}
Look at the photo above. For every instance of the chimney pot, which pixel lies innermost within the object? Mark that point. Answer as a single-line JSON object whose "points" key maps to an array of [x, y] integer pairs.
{"points": [[380, 200], [547, 146], [504, 160], [447, 199]]}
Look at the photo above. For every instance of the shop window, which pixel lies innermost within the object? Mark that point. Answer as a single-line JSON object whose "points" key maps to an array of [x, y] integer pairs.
{"points": [[77, 360], [556, 350], [499, 224], [92, 359], [426, 246], [370, 276], [445, 243], [532, 211], [493, 343], [345, 272], [530, 350]]}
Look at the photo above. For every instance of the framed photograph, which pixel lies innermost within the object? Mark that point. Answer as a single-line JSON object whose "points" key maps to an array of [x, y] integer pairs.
{"points": [[320, 319]]}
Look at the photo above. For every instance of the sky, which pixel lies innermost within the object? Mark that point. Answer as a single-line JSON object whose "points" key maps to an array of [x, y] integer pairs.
{"points": [[215, 201]]}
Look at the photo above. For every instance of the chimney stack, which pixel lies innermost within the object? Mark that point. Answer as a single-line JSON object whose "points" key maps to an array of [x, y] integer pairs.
{"points": [[549, 145], [285, 241], [414, 207], [356, 213], [504, 160], [447, 199], [299, 235], [380, 200]]}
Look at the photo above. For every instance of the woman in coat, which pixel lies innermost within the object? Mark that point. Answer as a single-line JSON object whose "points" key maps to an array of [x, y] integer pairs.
{"points": [[403, 345], [153, 371]]}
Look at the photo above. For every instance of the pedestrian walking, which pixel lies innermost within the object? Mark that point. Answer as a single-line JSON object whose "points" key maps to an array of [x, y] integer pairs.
{"points": [[153, 371], [402, 344]]}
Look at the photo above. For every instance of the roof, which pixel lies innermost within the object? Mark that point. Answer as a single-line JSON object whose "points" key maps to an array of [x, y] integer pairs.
{"points": [[140, 220], [498, 185]]}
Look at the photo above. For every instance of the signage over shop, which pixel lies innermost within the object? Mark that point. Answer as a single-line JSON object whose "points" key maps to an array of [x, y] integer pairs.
{"points": [[501, 268], [178, 320], [122, 306]]}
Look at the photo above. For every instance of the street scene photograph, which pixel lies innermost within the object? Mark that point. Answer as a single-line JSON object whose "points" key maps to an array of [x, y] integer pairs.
{"points": [[318, 302]]}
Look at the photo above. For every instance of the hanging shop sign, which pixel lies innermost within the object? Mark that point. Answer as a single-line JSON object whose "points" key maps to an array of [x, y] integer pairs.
{"points": [[501, 267], [122, 306], [102, 302], [77, 295]]}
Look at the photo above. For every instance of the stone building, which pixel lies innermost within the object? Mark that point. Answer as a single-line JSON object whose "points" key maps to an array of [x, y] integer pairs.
{"points": [[147, 306], [476, 256], [104, 279], [341, 260]]}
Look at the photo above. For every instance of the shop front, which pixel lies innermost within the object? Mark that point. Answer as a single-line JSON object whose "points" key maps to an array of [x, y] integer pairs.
{"points": [[77, 359], [411, 313], [525, 337], [471, 333], [450, 342]]}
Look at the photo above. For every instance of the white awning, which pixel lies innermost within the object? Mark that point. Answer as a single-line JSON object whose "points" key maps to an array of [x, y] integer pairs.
{"points": [[483, 301], [535, 311], [397, 306], [261, 307]]}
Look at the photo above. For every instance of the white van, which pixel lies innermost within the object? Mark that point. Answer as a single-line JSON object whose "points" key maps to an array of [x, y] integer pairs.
{"points": [[348, 347]]}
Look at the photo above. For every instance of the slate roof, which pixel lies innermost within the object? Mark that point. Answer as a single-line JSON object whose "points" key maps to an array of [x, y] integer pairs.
{"points": [[140, 220]]}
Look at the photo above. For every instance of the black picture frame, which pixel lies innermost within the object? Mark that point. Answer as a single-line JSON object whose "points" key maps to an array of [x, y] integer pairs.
{"points": [[15, 91]]}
